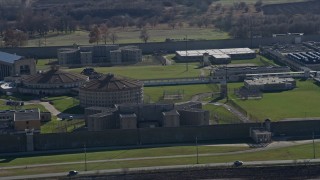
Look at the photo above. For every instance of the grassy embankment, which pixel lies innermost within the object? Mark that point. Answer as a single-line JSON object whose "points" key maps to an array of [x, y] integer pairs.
{"points": [[287, 153]]}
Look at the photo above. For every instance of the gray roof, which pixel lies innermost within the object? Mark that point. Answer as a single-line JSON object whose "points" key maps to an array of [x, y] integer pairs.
{"points": [[9, 58], [27, 115]]}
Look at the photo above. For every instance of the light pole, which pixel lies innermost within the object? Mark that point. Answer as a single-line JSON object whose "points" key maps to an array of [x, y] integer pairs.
{"points": [[187, 65], [314, 149], [85, 157], [197, 150]]}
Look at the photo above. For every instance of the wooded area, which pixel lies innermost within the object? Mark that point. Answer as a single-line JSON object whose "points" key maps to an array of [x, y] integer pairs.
{"points": [[36, 18]]}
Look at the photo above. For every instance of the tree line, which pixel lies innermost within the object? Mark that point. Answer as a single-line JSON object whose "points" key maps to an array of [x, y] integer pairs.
{"points": [[98, 17]]}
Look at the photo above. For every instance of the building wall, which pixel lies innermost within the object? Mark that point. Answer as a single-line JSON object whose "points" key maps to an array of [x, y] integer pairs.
{"points": [[30, 124], [12, 143], [16, 143], [24, 67], [131, 55], [68, 56], [115, 57], [45, 116], [128, 122], [6, 69], [194, 117], [170, 120], [86, 58], [101, 123], [108, 99]]}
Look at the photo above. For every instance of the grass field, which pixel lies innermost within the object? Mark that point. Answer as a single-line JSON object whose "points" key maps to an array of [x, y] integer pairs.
{"points": [[176, 70], [59, 126], [66, 104], [155, 94], [258, 61], [119, 154], [220, 115], [31, 106], [301, 102], [131, 35], [229, 2], [287, 153]]}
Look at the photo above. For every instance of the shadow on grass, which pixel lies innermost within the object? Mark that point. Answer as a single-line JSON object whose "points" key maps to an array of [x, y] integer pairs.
{"points": [[6, 159], [74, 110], [19, 97]]}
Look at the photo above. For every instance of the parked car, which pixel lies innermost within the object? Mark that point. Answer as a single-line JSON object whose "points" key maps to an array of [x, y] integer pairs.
{"points": [[238, 163], [72, 173]]}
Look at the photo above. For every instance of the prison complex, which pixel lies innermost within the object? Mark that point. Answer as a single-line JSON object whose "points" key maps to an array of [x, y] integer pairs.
{"points": [[103, 55]]}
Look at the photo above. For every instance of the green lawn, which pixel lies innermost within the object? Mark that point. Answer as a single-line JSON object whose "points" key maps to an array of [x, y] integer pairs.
{"points": [[44, 64], [258, 61], [119, 154], [150, 72], [303, 101], [230, 2], [131, 35], [155, 94], [220, 115], [59, 126], [66, 104], [3, 106], [287, 153]]}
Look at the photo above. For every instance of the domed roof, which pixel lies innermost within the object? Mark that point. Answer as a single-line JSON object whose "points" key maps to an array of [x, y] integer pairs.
{"points": [[54, 76], [109, 83]]}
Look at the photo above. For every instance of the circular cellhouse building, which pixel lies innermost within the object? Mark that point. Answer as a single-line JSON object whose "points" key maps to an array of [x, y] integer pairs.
{"points": [[109, 90], [52, 82]]}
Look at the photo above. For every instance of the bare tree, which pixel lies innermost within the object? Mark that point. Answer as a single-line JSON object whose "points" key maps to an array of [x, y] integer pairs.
{"points": [[14, 38], [113, 37], [141, 23], [144, 35], [94, 35], [180, 24], [104, 32], [153, 22], [172, 24]]}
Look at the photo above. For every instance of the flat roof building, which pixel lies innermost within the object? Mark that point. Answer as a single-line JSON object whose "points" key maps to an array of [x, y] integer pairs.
{"points": [[14, 65], [216, 54], [270, 84]]}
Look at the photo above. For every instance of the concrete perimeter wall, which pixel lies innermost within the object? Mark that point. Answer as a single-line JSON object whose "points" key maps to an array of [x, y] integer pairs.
{"points": [[43, 142], [12, 143], [147, 48]]}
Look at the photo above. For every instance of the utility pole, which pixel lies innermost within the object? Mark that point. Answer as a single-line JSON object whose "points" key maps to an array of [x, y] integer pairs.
{"points": [[187, 65], [314, 149], [197, 150], [85, 157], [226, 82]]}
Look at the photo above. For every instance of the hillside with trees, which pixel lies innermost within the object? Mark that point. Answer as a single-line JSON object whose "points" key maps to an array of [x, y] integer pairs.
{"points": [[37, 18]]}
